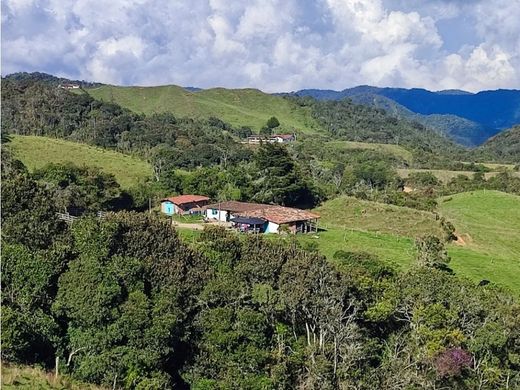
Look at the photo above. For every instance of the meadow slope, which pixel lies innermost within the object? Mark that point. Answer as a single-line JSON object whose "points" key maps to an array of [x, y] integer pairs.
{"points": [[488, 221], [240, 107], [35, 152]]}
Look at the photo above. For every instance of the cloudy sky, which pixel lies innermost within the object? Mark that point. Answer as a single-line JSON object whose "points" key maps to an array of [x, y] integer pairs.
{"points": [[273, 45]]}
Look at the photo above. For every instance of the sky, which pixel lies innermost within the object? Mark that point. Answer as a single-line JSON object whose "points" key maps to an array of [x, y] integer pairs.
{"points": [[272, 45]]}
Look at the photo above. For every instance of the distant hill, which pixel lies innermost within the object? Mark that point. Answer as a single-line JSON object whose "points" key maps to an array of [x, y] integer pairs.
{"points": [[68, 112], [50, 79], [504, 146], [460, 130], [239, 107], [472, 119]]}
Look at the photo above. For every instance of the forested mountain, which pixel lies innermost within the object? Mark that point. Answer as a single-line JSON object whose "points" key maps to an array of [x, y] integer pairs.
{"points": [[504, 146], [472, 117], [460, 130], [354, 122]]}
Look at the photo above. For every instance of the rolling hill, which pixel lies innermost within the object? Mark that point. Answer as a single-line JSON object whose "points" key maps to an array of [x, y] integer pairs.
{"points": [[487, 221], [489, 224], [240, 107], [35, 152]]}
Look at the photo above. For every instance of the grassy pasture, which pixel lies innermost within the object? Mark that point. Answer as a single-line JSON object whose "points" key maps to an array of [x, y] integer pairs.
{"points": [[240, 107], [489, 222], [35, 152], [445, 175]]}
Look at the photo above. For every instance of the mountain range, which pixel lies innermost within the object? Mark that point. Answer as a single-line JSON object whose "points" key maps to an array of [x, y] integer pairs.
{"points": [[468, 118]]}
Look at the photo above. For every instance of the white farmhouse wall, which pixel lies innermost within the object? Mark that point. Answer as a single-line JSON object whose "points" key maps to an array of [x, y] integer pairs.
{"points": [[272, 227], [216, 214]]}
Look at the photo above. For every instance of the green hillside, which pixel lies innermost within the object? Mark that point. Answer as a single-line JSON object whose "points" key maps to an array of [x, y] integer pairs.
{"points": [[35, 152], [487, 221], [446, 175], [352, 213], [505, 146], [240, 107]]}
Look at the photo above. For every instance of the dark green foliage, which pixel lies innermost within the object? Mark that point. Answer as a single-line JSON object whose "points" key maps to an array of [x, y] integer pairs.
{"points": [[28, 213], [272, 123], [431, 253], [279, 180], [79, 189], [505, 146]]}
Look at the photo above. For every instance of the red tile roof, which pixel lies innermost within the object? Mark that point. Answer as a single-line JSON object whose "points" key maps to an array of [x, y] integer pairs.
{"points": [[280, 214], [183, 199]]}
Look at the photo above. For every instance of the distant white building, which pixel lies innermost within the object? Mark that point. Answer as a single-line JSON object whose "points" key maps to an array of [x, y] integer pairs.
{"points": [[68, 86], [275, 138]]}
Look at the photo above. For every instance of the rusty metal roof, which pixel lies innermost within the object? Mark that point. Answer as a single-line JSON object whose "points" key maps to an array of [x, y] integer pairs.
{"points": [[237, 207], [280, 214]]}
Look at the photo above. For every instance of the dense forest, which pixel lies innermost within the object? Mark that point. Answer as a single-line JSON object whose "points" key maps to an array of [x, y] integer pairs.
{"points": [[122, 301]]}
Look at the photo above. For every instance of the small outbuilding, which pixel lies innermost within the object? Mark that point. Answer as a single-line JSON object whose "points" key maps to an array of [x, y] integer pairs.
{"points": [[249, 224], [184, 204], [225, 211]]}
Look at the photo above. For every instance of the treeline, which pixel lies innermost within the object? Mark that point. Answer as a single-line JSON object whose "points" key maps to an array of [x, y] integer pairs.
{"points": [[124, 302]]}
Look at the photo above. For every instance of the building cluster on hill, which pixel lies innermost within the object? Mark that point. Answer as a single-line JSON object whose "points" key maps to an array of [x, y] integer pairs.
{"points": [[244, 216]]}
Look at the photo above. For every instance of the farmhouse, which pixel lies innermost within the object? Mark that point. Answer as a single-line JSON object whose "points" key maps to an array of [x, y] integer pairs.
{"points": [[184, 204], [262, 218], [225, 211], [294, 220]]}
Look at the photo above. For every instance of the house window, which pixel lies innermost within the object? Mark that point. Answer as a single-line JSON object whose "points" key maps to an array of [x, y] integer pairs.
{"points": [[214, 211]]}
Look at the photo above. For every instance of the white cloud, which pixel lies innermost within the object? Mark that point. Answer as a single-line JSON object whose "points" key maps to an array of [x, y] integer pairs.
{"points": [[274, 45]]}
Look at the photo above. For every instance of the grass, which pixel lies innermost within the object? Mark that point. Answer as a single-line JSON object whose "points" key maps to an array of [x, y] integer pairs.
{"points": [[351, 213], [35, 152], [445, 175], [29, 378], [240, 107], [396, 150], [489, 221]]}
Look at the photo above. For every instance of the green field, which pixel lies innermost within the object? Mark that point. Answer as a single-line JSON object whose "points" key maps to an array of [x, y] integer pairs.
{"points": [[351, 213], [35, 152], [240, 107], [445, 175], [396, 150], [488, 221]]}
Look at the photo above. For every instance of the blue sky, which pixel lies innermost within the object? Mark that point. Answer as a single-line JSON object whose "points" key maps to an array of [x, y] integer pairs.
{"points": [[273, 45]]}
